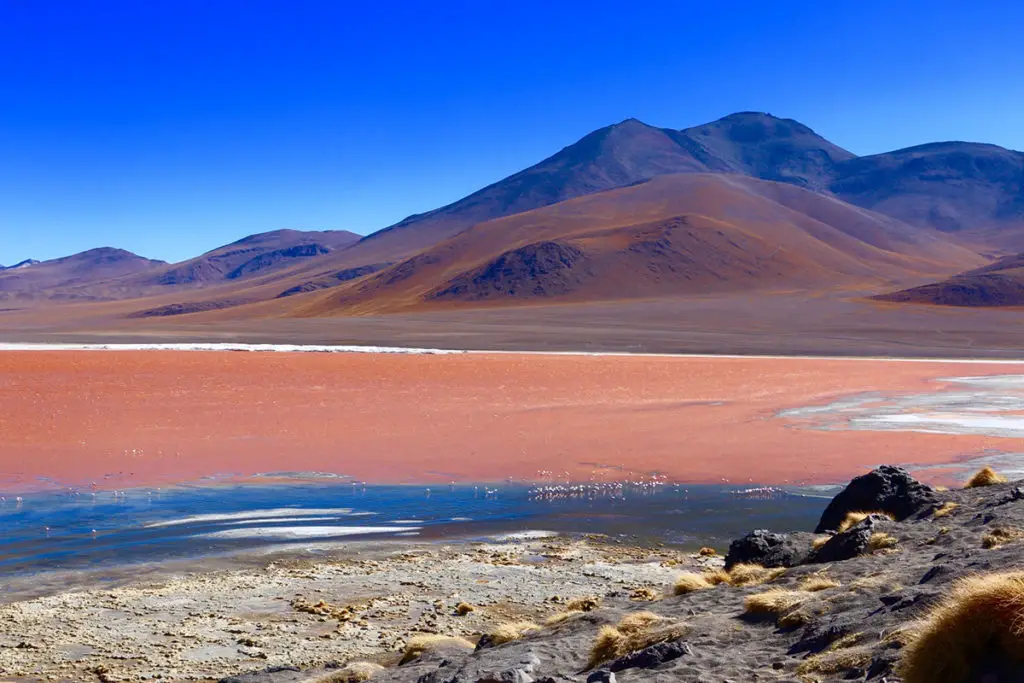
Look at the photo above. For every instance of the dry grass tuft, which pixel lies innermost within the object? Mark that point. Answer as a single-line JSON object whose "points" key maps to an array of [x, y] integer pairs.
{"points": [[707, 552], [852, 519], [644, 594], [753, 574], [353, 672], [427, 642], [945, 509], [817, 582], [464, 608], [986, 476], [881, 541], [587, 604], [638, 621], [512, 630], [634, 632], [556, 619], [689, 583], [981, 620], [773, 603], [1000, 536], [717, 577], [833, 662]]}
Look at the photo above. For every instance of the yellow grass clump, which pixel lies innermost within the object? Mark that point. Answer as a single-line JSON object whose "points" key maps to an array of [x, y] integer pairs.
{"points": [[773, 603], [512, 630], [881, 541], [817, 582], [464, 608], [1000, 536], [986, 476], [690, 582], [854, 518], [353, 672], [707, 552], [586, 604], [981, 619], [716, 577], [753, 574], [634, 632], [945, 509], [833, 662], [427, 642], [556, 619]]}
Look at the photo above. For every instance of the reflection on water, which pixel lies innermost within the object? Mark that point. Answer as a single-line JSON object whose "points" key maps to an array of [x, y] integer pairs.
{"points": [[76, 530]]}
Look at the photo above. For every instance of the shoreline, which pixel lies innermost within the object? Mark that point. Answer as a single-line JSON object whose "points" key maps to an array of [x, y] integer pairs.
{"points": [[371, 349], [237, 620]]}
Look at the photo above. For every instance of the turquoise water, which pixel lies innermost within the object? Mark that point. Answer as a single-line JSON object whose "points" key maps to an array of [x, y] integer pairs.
{"points": [[87, 530]]}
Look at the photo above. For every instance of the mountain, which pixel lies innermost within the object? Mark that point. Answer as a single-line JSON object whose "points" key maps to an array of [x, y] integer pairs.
{"points": [[751, 143], [256, 254], [948, 186], [998, 284], [674, 235], [85, 268]]}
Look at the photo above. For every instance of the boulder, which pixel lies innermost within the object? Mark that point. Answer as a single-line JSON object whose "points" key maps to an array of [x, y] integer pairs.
{"points": [[852, 542], [651, 656], [885, 489], [769, 549]]}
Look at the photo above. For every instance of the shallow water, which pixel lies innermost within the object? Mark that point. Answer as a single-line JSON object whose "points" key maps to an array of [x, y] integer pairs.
{"points": [[85, 530]]}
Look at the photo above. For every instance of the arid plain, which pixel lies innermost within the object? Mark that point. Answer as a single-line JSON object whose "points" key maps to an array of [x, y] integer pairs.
{"points": [[124, 418]]}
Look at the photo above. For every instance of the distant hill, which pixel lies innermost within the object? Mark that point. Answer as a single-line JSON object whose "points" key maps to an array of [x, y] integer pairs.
{"points": [[256, 254], [672, 236], [20, 264], [998, 284], [85, 268], [948, 186]]}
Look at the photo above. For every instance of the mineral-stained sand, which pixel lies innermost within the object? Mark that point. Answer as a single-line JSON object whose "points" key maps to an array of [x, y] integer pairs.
{"points": [[149, 417]]}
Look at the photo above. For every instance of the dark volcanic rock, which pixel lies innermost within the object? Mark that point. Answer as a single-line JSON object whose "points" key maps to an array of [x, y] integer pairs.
{"points": [[886, 489], [275, 674], [769, 549], [652, 656], [852, 542], [817, 637]]}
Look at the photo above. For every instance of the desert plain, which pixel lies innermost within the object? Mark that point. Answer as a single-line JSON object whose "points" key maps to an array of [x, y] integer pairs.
{"points": [[122, 418]]}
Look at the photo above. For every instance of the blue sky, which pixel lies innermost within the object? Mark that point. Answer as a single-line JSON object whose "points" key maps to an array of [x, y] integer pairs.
{"points": [[168, 127]]}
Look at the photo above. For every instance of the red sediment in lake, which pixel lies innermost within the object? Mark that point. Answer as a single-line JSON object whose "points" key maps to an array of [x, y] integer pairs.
{"points": [[123, 418]]}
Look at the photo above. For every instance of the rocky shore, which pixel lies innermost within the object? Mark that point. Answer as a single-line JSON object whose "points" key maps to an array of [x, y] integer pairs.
{"points": [[871, 595]]}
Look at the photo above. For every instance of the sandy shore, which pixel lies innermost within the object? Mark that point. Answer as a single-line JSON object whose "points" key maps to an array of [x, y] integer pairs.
{"points": [[217, 623], [146, 417]]}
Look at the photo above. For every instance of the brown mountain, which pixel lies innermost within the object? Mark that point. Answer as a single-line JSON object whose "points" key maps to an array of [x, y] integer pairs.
{"points": [[671, 236], [31, 279], [998, 284]]}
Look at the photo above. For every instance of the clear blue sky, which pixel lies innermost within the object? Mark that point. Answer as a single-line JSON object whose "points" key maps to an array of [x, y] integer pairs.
{"points": [[168, 127]]}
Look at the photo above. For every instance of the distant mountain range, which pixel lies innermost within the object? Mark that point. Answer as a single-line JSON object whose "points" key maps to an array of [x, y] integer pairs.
{"points": [[749, 202]]}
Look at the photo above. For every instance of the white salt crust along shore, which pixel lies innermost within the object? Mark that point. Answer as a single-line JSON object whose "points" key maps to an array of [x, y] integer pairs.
{"points": [[315, 348]]}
